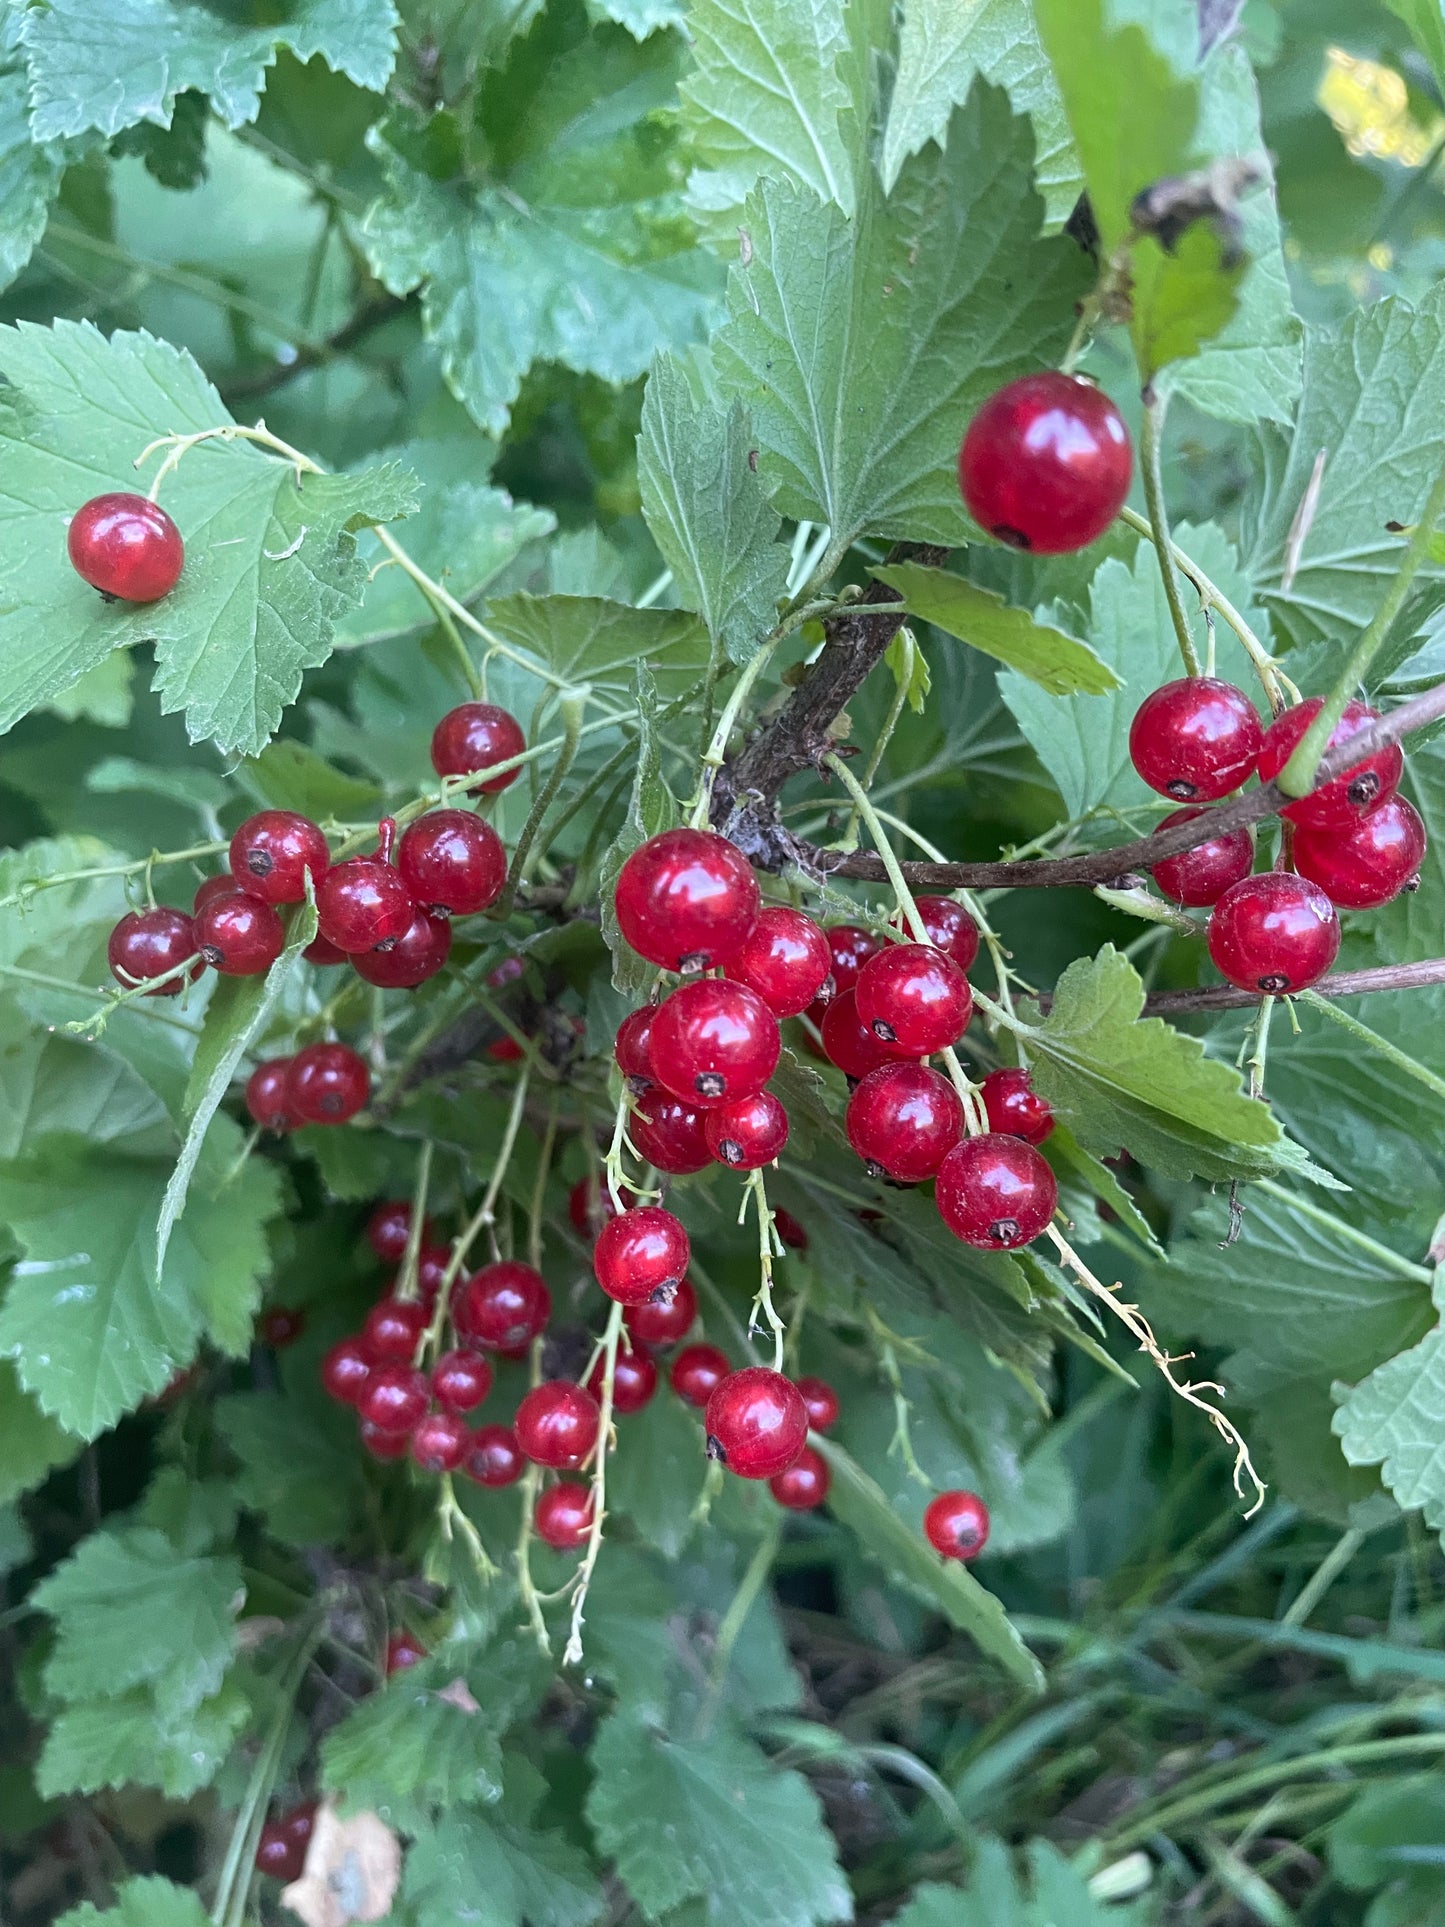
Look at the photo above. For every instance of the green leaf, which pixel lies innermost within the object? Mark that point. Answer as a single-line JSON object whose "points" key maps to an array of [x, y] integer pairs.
{"points": [[1056, 662], [103, 695], [406, 1748], [708, 512], [1071, 1160], [710, 1819], [587, 639], [942, 48], [142, 1903], [498, 1868], [252, 609], [1120, 1079], [914, 311], [1426, 22], [199, 790], [110, 66], [1395, 1418], [898, 1546], [31, 1444], [656, 1473], [1055, 1894], [640, 17], [1373, 390], [298, 1463], [29, 171], [650, 811], [291, 775], [51, 1083], [130, 1610], [127, 1740], [1408, 929]]}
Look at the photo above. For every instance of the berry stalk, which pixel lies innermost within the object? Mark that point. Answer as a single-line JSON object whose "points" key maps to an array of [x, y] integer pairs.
{"points": [[1150, 436]]}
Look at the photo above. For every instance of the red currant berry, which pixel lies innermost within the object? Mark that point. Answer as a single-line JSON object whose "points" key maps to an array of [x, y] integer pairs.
{"points": [[669, 1134], [389, 1227], [473, 737], [820, 1402], [266, 1098], [503, 1306], [127, 547], [1015, 1108], [278, 1855], [589, 1205], [1364, 867], [903, 1120], [850, 946], [563, 1515], [956, 1525], [298, 1822], [431, 1267], [1046, 463], [362, 903], [785, 958], [148, 943], [789, 1230], [666, 1321], [687, 900], [950, 928], [327, 1084], [757, 1425], [460, 1381], [556, 1424], [914, 999], [847, 1040], [1195, 739], [380, 1444], [696, 1373], [346, 1370], [634, 1380], [440, 1442], [804, 1486], [322, 952], [1274, 932], [239, 935], [394, 1398], [1199, 877], [749, 1134], [280, 1326], [494, 1458], [630, 1049], [393, 1325], [996, 1192], [452, 862], [209, 888], [403, 1649], [273, 853], [642, 1255], [420, 952], [1340, 804]]}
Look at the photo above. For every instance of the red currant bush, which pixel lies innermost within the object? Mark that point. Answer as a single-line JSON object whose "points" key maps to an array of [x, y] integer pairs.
{"points": [[914, 999], [950, 927], [631, 1048], [1362, 868], [785, 958], [149, 943], [956, 1525], [903, 1120], [757, 1423], [1337, 805], [127, 547], [273, 853], [642, 1255], [1014, 1107], [1274, 933], [1199, 877], [452, 862], [279, 1326], [474, 736], [394, 1398], [346, 1370], [392, 1328], [996, 1192], [1196, 739], [1046, 463], [687, 900]]}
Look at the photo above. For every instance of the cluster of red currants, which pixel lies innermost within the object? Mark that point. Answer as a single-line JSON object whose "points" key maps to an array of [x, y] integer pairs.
{"points": [[1353, 842]]}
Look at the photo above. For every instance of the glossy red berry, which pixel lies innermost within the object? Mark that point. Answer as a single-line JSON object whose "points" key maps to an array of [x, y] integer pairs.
{"points": [[1196, 739], [956, 1525], [634, 1380], [696, 1373], [785, 958], [563, 1515], [1340, 804], [394, 1398], [1364, 867], [589, 1205], [473, 737], [665, 1322], [847, 1040], [389, 1227], [460, 1381], [804, 1486], [757, 1423], [1046, 463], [148, 943], [494, 1457], [209, 888], [327, 1084], [631, 1051], [346, 1370], [274, 852], [299, 1821], [749, 1134], [392, 1327], [1274, 933], [1015, 1108], [280, 1326], [239, 935], [642, 1255], [381, 1444], [362, 903], [820, 1402], [556, 1424], [278, 1855], [669, 1133], [440, 1442], [949, 927], [418, 953], [266, 1096], [903, 1120], [914, 999], [1199, 877], [127, 547], [850, 946], [687, 900], [789, 1230], [322, 952], [503, 1306], [996, 1192], [403, 1649], [452, 862], [432, 1262]]}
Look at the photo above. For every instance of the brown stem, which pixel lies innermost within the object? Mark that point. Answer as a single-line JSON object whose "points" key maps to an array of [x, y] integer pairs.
{"points": [[1339, 983], [265, 380]]}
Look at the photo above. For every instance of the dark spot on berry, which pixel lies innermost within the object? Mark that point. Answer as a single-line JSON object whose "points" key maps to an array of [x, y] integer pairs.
{"points": [[212, 955], [106, 596], [709, 1084], [716, 1450], [1412, 886], [1182, 791], [885, 1033], [259, 863], [387, 943], [690, 965], [730, 1151], [1364, 789], [664, 1293], [873, 1168], [1272, 986], [1003, 1230], [1015, 538]]}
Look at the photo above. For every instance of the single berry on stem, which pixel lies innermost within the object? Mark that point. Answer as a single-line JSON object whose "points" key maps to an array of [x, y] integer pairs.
{"points": [[403, 1649], [714, 1042], [266, 1097], [847, 1040], [239, 935], [749, 1134], [956, 1525], [563, 1515], [686, 900], [696, 1373], [494, 1457], [394, 1398], [440, 1442], [950, 928], [804, 1485], [503, 1306], [146, 944], [392, 1327], [820, 1402], [1046, 463], [126, 546], [278, 1855], [669, 1133], [996, 1192], [1339, 804], [209, 888], [634, 1380], [630, 1049], [1199, 877], [418, 953], [642, 1255], [472, 737], [362, 903], [786, 959], [850, 946], [280, 1326], [1014, 1107], [460, 1380], [757, 1424], [914, 999], [274, 852], [903, 1120], [346, 1370], [327, 1084], [452, 862], [1364, 867], [1274, 933], [389, 1227], [378, 1443], [789, 1230], [1196, 739], [665, 1322]]}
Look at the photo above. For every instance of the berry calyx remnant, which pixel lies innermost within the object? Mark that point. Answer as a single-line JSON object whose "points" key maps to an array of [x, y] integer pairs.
{"points": [[1274, 933], [274, 852], [847, 1040], [1046, 463], [666, 1321], [126, 546], [956, 1525]]}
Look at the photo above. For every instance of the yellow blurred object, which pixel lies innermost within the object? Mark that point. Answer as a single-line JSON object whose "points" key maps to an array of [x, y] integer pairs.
{"points": [[1369, 105]]}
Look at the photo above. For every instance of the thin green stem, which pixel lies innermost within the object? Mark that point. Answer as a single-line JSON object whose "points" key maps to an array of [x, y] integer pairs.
{"points": [[1150, 439], [1322, 1578], [406, 1279], [483, 1216], [769, 1247], [572, 1655], [1402, 1267], [739, 1606], [716, 753], [1406, 1065], [572, 706]]}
